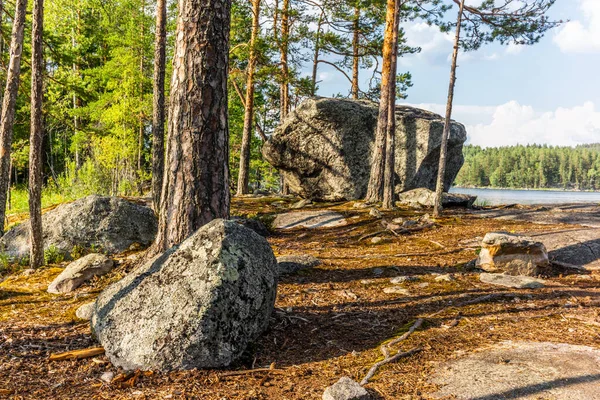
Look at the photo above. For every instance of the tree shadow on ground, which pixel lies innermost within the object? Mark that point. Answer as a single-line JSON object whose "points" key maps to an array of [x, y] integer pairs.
{"points": [[520, 392]]}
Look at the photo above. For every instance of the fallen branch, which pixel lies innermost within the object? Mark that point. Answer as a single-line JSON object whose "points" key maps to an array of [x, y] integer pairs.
{"points": [[271, 369], [388, 360], [77, 354], [386, 354]]}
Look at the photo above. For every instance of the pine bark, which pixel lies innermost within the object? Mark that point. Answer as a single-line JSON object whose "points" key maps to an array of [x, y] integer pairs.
{"points": [[196, 180], [390, 142], [355, 51], [284, 97], [375, 186], [244, 172], [158, 102], [9, 102], [36, 254], [439, 188]]}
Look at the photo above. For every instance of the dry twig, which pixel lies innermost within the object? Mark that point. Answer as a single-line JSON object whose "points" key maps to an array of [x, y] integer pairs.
{"points": [[77, 354]]}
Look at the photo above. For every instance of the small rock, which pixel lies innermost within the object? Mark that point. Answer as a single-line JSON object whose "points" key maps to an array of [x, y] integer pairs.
{"points": [[409, 223], [377, 240], [423, 285], [346, 389], [375, 213], [301, 204], [517, 282], [79, 272], [85, 311], [445, 278], [396, 290], [314, 219], [512, 254], [360, 205], [294, 263], [107, 376], [378, 272], [399, 220], [367, 281], [401, 279]]}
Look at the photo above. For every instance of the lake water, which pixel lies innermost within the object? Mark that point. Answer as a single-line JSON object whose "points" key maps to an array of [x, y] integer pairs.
{"points": [[510, 196]]}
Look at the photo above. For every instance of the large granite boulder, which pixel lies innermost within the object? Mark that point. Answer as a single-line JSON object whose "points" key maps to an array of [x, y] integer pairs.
{"points": [[324, 148], [512, 254], [109, 224], [80, 271], [198, 305]]}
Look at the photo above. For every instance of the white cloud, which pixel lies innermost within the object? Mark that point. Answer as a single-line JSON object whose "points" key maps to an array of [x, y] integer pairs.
{"points": [[512, 123], [514, 49], [581, 36], [435, 45]]}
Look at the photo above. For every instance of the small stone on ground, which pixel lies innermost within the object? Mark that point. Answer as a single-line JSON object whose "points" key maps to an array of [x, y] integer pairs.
{"points": [[522, 370], [79, 272], [85, 311], [309, 219], [396, 290], [401, 279], [346, 389], [517, 282]]}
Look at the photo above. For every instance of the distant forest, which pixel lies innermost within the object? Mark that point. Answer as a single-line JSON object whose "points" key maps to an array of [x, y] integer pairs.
{"points": [[532, 166]]}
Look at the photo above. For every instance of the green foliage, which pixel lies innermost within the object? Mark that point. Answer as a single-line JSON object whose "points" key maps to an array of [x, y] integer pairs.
{"points": [[532, 166], [52, 255]]}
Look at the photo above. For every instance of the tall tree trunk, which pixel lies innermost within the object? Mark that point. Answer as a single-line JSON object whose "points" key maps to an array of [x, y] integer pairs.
{"points": [[158, 103], [196, 181], [76, 101], [390, 142], [140, 158], [9, 102], [439, 188], [36, 254], [375, 187], [242, 186], [315, 67], [284, 97], [355, 51]]}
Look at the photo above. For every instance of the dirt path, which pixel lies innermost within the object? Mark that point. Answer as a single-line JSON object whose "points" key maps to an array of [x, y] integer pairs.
{"points": [[329, 320]]}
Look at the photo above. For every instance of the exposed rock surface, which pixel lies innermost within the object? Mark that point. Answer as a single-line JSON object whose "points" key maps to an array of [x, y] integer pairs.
{"points": [[198, 305], [517, 282], [324, 148], [80, 271], [346, 389], [522, 370], [110, 224], [85, 311], [423, 197], [512, 254], [309, 219], [293, 263]]}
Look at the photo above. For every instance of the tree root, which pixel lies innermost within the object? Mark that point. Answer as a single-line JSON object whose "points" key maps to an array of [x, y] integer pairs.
{"points": [[386, 353]]}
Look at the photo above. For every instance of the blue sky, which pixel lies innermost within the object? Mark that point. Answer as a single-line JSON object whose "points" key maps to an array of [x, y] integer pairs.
{"points": [[546, 93]]}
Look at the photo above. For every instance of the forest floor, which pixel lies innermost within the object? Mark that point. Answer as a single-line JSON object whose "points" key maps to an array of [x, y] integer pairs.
{"points": [[329, 321]]}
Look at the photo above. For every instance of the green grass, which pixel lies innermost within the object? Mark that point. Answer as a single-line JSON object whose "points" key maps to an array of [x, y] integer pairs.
{"points": [[19, 199]]}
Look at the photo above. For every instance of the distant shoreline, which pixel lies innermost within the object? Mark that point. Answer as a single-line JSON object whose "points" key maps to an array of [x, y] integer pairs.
{"points": [[527, 189]]}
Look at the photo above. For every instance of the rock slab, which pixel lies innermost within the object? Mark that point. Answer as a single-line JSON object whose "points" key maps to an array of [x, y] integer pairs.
{"points": [[423, 197], [346, 389], [511, 281], [198, 305], [522, 370], [309, 219], [80, 271], [110, 224], [512, 254], [324, 148]]}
